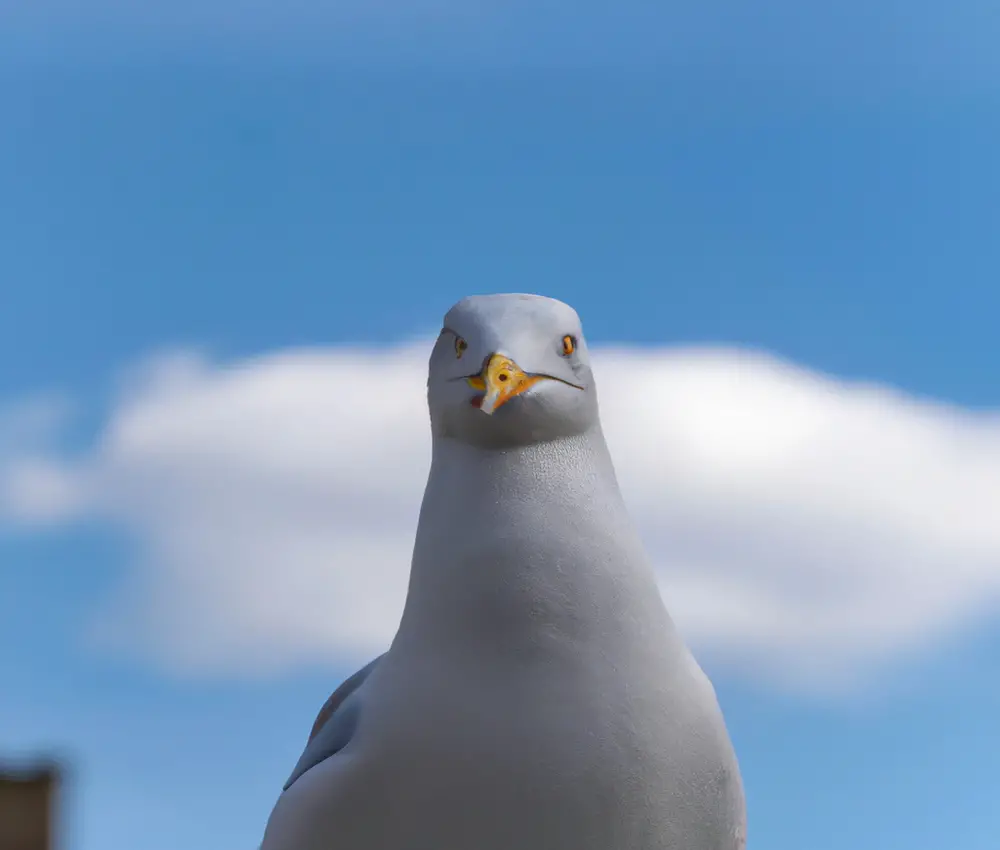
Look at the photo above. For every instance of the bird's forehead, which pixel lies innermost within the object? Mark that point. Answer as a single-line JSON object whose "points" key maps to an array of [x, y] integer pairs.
{"points": [[515, 314]]}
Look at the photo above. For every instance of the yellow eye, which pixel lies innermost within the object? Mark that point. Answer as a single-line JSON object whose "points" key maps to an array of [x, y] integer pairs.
{"points": [[460, 346], [569, 345]]}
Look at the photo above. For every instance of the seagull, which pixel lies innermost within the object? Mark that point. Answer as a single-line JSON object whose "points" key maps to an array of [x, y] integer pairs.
{"points": [[537, 695]]}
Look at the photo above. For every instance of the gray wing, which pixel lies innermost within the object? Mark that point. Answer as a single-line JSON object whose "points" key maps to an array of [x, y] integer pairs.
{"points": [[335, 725]]}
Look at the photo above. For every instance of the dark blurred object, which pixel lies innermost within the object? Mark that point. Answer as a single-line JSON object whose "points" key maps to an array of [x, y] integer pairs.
{"points": [[28, 802]]}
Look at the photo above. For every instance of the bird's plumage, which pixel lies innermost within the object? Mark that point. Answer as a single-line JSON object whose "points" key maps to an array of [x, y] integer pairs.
{"points": [[537, 694], [335, 724]]}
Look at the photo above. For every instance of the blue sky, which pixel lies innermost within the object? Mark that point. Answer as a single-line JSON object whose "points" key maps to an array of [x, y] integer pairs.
{"points": [[821, 190]]}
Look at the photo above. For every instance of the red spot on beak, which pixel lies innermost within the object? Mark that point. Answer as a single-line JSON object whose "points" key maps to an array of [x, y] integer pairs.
{"points": [[476, 401]]}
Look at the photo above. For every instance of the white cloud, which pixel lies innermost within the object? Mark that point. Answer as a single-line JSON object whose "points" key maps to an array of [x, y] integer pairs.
{"points": [[805, 528]]}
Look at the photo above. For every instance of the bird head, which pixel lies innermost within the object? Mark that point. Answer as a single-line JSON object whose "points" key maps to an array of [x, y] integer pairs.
{"points": [[510, 370]]}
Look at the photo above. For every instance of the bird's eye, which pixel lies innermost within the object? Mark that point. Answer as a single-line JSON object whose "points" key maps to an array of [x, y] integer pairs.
{"points": [[568, 345], [460, 346]]}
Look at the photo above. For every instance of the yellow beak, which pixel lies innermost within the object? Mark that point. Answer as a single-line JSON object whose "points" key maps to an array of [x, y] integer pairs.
{"points": [[501, 380]]}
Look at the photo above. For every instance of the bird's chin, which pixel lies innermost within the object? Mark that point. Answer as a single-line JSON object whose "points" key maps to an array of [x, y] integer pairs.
{"points": [[519, 422]]}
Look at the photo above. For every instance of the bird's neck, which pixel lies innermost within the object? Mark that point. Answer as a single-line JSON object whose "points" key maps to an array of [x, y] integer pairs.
{"points": [[527, 546]]}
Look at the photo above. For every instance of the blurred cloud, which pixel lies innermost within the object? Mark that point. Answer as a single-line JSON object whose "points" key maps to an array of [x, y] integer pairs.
{"points": [[807, 531], [867, 42]]}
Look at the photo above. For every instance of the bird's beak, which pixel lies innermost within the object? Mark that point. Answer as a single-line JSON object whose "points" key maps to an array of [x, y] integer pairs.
{"points": [[500, 380]]}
